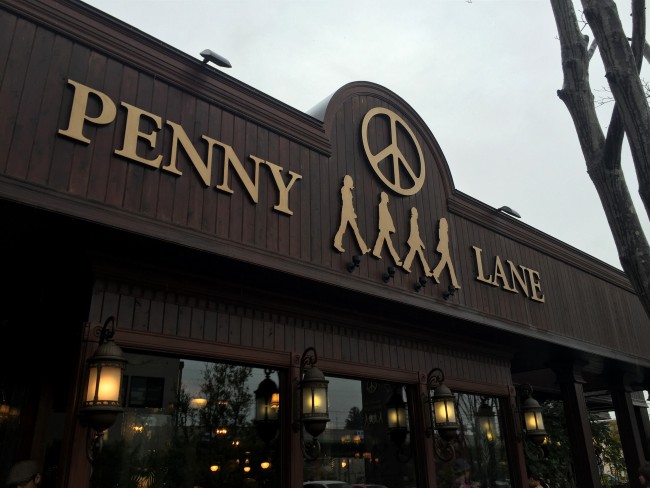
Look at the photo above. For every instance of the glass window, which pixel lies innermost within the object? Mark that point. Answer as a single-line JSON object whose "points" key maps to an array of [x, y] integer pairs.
{"points": [[480, 458], [189, 424], [357, 446]]}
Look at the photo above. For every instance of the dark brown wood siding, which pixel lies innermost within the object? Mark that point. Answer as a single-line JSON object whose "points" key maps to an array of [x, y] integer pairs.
{"points": [[589, 305], [202, 324]]}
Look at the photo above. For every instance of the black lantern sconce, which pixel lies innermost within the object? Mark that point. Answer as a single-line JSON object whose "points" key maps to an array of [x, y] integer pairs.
{"points": [[314, 404], [354, 264], [388, 274], [420, 283], [267, 408], [397, 420], [531, 412], [396, 417], [102, 406], [486, 419], [443, 416], [451, 291]]}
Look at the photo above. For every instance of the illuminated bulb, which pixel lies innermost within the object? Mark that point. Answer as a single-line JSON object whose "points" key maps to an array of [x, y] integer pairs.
{"points": [[198, 402], [265, 465], [214, 468]]}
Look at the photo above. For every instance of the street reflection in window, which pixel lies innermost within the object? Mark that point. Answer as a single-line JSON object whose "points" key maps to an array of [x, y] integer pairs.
{"points": [[480, 453], [356, 446], [188, 424]]}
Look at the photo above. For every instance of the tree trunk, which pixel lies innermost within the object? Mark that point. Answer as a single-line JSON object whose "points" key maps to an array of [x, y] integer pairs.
{"points": [[631, 116]]}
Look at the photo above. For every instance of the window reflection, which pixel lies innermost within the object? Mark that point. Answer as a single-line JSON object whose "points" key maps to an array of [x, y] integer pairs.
{"points": [[356, 446], [480, 452], [188, 424]]}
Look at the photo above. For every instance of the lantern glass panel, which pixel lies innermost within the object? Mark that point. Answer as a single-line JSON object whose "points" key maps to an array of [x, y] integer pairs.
{"points": [[445, 411], [396, 417], [314, 400], [534, 420], [110, 377]]}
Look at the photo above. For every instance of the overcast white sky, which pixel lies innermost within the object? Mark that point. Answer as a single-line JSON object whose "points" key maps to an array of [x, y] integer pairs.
{"points": [[483, 75]]}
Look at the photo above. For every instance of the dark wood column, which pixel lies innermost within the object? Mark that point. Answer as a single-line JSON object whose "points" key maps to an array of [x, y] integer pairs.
{"points": [[514, 438], [424, 442], [628, 427], [294, 456], [569, 377], [644, 428]]}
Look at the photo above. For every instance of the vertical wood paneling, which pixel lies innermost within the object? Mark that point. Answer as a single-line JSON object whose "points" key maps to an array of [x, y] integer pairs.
{"points": [[183, 183], [17, 62], [141, 309], [170, 318], [50, 110], [222, 323], [305, 204], [273, 237], [135, 172], [157, 313], [209, 213], [184, 319], [248, 210], [151, 177], [234, 325], [110, 306], [117, 173], [30, 102], [246, 328], [224, 201], [80, 170], [197, 189], [197, 326], [268, 332], [167, 182], [7, 31], [197, 317], [235, 230], [210, 327], [265, 216], [98, 154]]}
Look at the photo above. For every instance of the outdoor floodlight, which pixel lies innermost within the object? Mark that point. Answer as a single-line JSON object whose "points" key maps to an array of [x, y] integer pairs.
{"points": [[211, 56]]}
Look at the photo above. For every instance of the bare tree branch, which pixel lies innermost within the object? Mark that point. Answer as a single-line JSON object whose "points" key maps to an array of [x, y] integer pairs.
{"points": [[630, 116]]}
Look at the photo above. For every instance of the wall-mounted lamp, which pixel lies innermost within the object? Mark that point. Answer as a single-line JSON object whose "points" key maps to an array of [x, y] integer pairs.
{"points": [[354, 264], [507, 210], [420, 283], [5, 408], [102, 406], [267, 408], [388, 274], [531, 412], [443, 415], [451, 291], [396, 417], [313, 411], [486, 419], [210, 56]]}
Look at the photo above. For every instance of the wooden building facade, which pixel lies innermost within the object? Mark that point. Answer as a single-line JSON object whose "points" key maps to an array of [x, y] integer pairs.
{"points": [[219, 226]]}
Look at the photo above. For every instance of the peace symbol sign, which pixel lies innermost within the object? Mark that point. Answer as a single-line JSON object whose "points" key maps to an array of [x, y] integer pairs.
{"points": [[399, 162]]}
